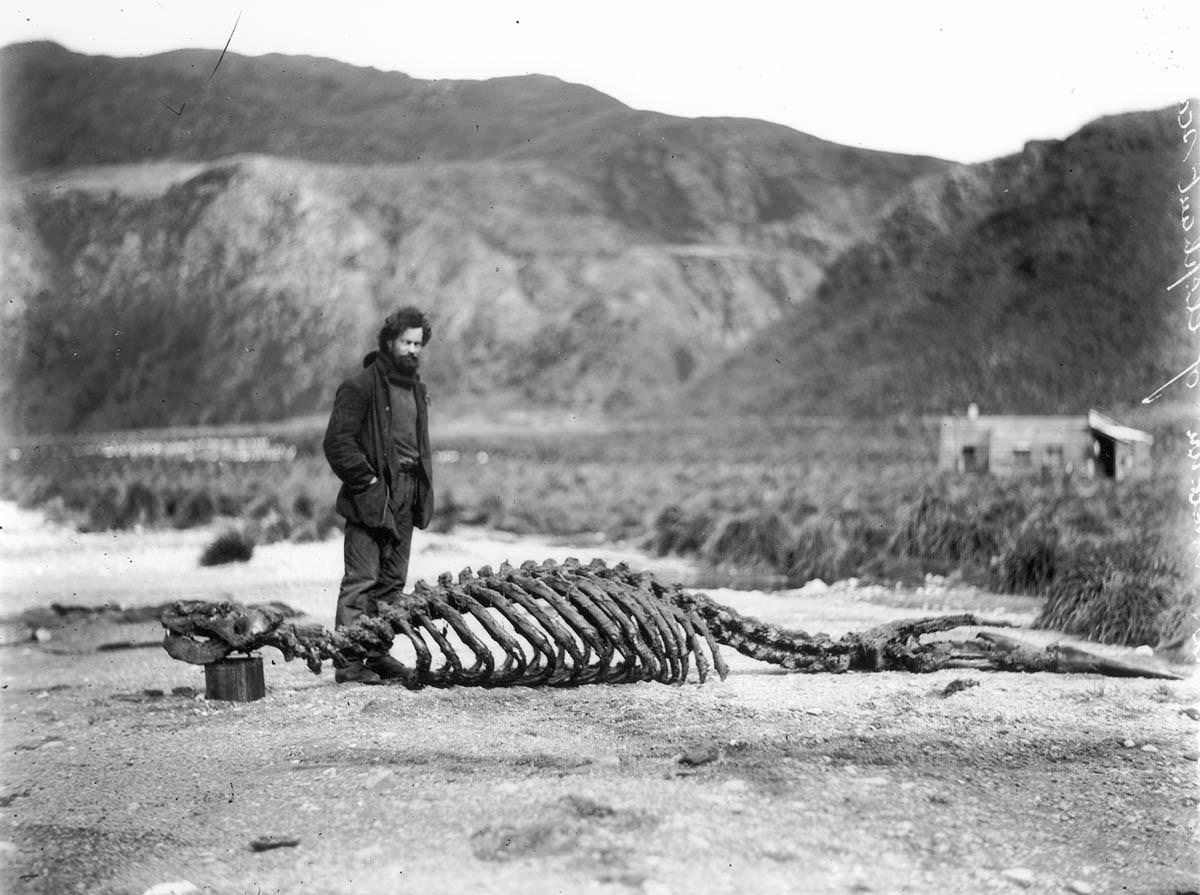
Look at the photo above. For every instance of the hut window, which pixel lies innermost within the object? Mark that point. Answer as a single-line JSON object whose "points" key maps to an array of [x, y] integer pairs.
{"points": [[1022, 458], [1054, 456]]}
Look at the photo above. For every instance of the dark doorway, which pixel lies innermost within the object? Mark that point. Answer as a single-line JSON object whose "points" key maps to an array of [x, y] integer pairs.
{"points": [[1106, 457]]}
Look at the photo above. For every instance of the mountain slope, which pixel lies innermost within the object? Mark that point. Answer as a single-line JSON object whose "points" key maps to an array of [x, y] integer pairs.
{"points": [[678, 180], [1034, 283], [65, 109], [243, 289], [728, 179], [572, 251]]}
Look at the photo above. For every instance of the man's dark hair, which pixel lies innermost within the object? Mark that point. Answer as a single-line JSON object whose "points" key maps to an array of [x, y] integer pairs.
{"points": [[405, 318]]}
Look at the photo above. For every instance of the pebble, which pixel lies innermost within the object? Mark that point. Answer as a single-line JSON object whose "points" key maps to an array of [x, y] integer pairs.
{"points": [[1022, 876], [1191, 756], [1079, 887], [1129, 744], [180, 887], [1144, 650], [1149, 748], [958, 685], [267, 843]]}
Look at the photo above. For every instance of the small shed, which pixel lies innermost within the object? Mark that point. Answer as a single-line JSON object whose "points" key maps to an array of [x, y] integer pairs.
{"points": [[1090, 446]]}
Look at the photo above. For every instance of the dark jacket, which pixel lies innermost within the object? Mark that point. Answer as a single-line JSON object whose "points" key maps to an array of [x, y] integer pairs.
{"points": [[357, 441]]}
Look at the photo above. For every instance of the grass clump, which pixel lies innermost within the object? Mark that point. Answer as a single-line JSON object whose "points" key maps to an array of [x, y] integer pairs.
{"points": [[819, 498], [1126, 594], [834, 545], [228, 547], [197, 508], [677, 531], [1028, 563], [754, 540]]}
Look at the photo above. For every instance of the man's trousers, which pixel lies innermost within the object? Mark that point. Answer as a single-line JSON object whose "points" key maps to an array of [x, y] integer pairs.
{"points": [[376, 560]]}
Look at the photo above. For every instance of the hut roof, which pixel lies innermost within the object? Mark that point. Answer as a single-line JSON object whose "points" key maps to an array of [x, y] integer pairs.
{"points": [[1114, 430]]}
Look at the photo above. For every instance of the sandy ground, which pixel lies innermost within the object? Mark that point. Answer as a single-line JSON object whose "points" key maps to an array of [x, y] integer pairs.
{"points": [[119, 777]]}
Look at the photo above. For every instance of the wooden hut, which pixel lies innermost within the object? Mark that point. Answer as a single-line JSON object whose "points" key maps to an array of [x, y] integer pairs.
{"points": [[1089, 446]]}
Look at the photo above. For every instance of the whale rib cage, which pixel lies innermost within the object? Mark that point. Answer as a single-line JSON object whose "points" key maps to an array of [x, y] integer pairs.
{"points": [[570, 624]]}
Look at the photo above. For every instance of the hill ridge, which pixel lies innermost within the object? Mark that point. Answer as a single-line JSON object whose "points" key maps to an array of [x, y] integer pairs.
{"points": [[573, 251], [1018, 283]]}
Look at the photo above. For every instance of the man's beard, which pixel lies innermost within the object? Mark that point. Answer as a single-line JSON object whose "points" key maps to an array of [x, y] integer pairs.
{"points": [[406, 363]]}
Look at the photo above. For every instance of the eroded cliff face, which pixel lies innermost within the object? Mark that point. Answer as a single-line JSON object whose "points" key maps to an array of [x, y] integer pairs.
{"points": [[1032, 283], [244, 289]]}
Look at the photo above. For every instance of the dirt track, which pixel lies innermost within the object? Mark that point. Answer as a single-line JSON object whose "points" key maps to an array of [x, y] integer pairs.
{"points": [[766, 782]]}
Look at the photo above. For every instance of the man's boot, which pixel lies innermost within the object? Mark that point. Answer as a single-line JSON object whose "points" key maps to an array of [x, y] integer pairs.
{"points": [[357, 673]]}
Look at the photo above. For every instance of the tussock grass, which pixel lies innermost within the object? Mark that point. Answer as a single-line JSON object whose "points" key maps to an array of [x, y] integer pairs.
{"points": [[835, 545], [1028, 563], [759, 539], [197, 508], [228, 547], [959, 525], [1127, 593], [676, 531], [818, 499]]}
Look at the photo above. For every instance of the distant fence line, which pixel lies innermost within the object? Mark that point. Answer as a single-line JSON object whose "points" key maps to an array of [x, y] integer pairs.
{"points": [[250, 449], [247, 449], [453, 456]]}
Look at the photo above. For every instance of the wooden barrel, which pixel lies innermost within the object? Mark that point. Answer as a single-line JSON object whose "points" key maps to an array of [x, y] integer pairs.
{"points": [[235, 680]]}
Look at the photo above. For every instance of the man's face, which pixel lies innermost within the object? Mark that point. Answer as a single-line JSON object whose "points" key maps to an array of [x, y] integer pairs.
{"points": [[407, 345]]}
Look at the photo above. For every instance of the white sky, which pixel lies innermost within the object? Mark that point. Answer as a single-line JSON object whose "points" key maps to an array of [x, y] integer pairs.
{"points": [[952, 78]]}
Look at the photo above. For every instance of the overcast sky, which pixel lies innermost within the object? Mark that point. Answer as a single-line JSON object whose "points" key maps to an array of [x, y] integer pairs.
{"points": [[961, 80]]}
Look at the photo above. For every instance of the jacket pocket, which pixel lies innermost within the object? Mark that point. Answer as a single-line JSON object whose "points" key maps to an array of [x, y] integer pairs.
{"points": [[372, 505]]}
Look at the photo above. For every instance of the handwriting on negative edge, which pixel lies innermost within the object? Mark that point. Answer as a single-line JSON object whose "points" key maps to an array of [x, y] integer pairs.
{"points": [[1190, 278]]}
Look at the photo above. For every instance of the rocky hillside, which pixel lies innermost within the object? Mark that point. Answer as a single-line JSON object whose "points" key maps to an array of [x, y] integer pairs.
{"points": [[232, 261], [1033, 283]]}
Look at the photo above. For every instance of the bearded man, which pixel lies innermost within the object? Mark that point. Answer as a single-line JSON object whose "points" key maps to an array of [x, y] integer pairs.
{"points": [[377, 443]]}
